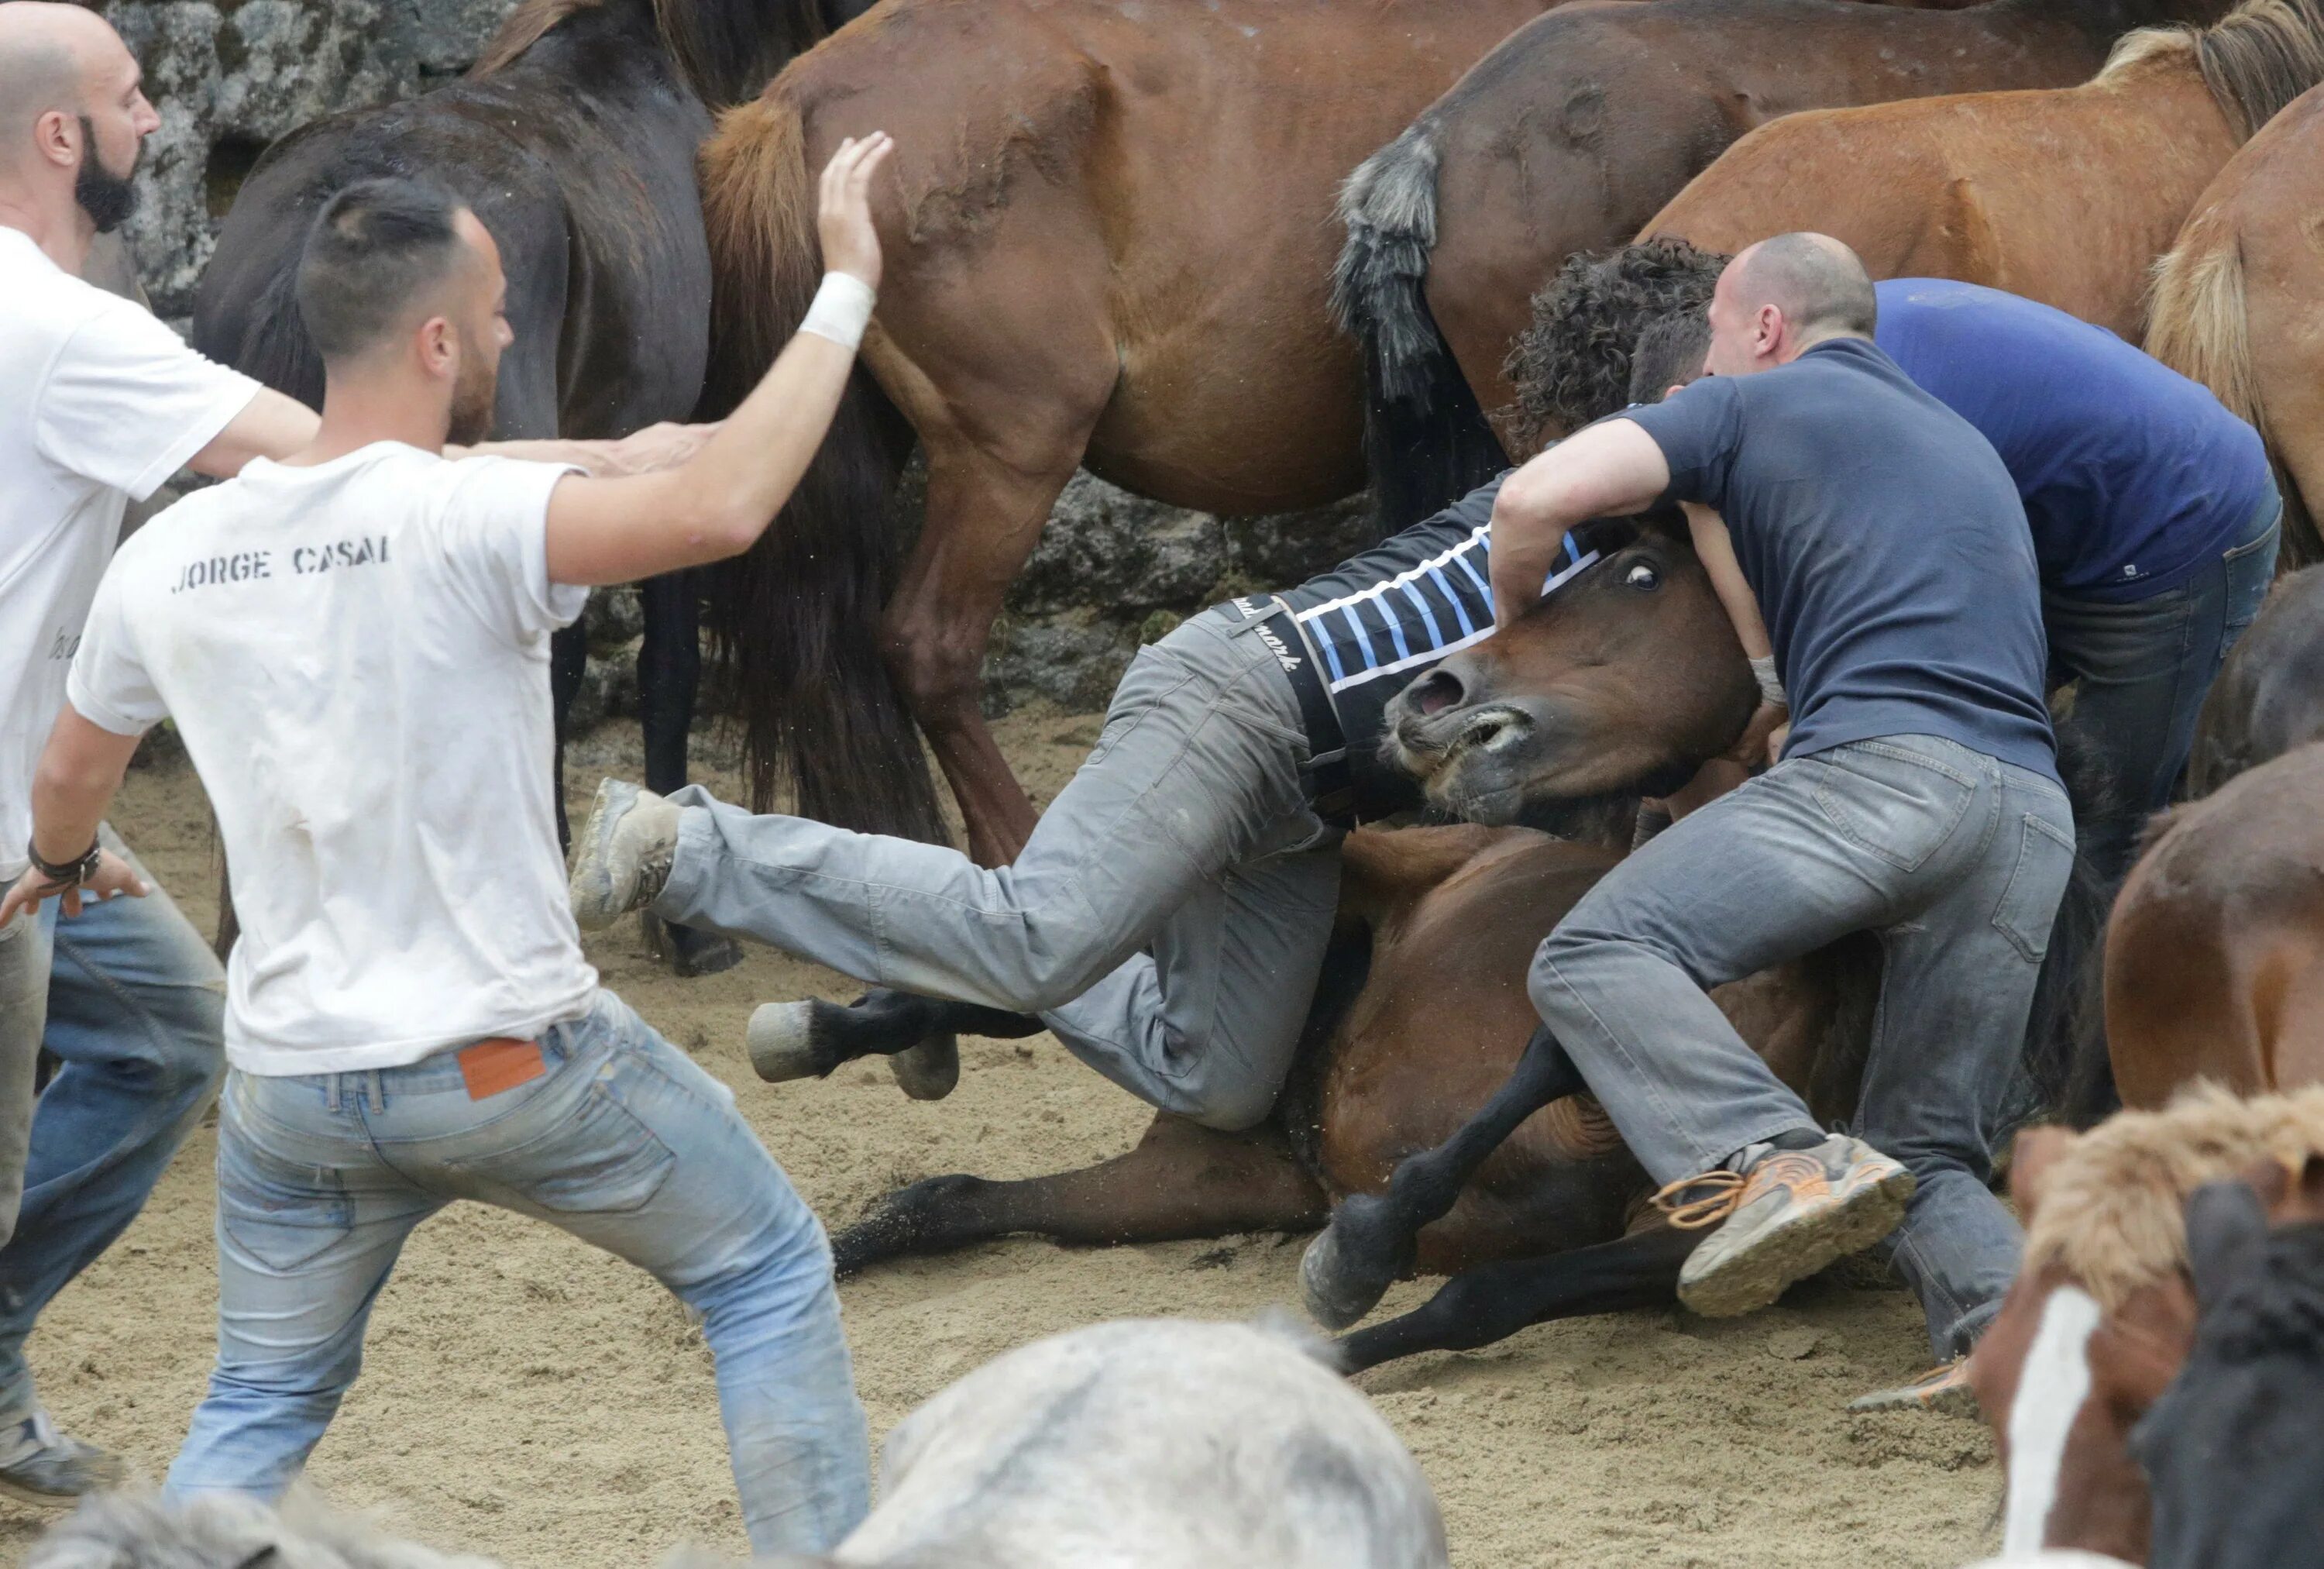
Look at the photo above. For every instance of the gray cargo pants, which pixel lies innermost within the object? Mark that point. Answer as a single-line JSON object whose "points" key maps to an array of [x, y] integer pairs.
{"points": [[1956, 860], [1167, 921]]}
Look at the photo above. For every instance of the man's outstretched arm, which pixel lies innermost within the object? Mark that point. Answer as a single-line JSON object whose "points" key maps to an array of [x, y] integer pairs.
{"points": [[1609, 470], [719, 502]]}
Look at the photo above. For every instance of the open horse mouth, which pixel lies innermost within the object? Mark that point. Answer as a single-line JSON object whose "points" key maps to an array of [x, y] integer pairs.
{"points": [[1462, 757]]}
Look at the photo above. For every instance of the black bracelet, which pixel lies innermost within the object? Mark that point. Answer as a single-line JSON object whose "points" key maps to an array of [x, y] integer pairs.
{"points": [[72, 873]]}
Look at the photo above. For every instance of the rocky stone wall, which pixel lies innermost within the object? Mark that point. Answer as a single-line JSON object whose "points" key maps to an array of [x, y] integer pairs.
{"points": [[230, 75]]}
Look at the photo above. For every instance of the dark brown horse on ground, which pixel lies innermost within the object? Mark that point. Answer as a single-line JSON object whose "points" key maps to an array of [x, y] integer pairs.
{"points": [[1627, 679], [1572, 132], [2063, 195], [2234, 305], [573, 139]]}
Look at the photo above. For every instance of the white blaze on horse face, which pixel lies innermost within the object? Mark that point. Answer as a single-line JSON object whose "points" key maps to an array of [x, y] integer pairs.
{"points": [[2051, 1389]]}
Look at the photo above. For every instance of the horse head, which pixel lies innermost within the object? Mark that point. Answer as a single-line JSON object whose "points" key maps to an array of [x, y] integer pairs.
{"points": [[1624, 681], [2105, 1313]]}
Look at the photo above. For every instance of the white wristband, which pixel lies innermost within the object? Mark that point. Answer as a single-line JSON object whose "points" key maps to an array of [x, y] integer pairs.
{"points": [[1771, 686], [842, 309]]}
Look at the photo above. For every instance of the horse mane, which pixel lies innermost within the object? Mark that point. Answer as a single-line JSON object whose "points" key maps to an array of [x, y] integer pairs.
{"points": [[724, 49], [2113, 1208], [2254, 60]]}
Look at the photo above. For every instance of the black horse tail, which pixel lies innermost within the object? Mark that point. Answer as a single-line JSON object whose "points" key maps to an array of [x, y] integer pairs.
{"points": [[795, 622], [2065, 1060], [1427, 441], [262, 335]]}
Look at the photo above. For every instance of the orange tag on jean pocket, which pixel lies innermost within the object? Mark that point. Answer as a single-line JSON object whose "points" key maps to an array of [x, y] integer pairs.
{"points": [[490, 1067]]}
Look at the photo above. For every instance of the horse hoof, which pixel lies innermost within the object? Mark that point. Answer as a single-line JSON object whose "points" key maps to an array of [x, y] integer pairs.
{"points": [[928, 1071], [1333, 1299], [689, 953], [781, 1041]]}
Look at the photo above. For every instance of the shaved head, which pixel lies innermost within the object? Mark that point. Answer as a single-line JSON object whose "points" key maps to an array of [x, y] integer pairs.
{"points": [[48, 49], [1817, 282], [1782, 297]]}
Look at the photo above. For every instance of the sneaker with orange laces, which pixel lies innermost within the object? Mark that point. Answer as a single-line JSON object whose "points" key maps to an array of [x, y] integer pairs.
{"points": [[1782, 1215]]}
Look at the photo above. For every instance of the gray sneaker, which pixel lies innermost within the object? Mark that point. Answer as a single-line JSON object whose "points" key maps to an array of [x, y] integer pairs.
{"points": [[621, 856], [50, 1469], [1786, 1215]]}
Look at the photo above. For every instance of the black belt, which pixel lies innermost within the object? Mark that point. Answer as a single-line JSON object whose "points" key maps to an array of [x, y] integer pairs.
{"points": [[1329, 783]]}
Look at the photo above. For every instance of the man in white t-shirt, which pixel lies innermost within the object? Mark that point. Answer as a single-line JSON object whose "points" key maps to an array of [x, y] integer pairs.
{"points": [[354, 645], [99, 404]]}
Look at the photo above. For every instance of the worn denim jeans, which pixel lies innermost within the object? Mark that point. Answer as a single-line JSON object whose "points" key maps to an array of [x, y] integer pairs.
{"points": [[2144, 668], [1958, 862], [1167, 918], [623, 1142], [130, 999]]}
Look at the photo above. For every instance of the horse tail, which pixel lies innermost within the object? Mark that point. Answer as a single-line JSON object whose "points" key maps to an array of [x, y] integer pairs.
{"points": [[265, 338], [2197, 324], [2065, 1062], [1427, 441], [794, 621]]}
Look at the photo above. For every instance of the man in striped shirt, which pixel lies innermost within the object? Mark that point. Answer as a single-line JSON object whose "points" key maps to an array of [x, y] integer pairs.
{"points": [[1168, 917]]}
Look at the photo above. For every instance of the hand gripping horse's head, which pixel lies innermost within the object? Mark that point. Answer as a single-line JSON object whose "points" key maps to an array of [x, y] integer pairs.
{"points": [[1622, 682]]}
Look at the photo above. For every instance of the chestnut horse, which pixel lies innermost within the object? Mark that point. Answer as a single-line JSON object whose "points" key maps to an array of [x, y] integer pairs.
{"points": [[573, 139], [1576, 130], [1648, 682], [2234, 305], [2122, 1238], [1107, 239], [2064, 195]]}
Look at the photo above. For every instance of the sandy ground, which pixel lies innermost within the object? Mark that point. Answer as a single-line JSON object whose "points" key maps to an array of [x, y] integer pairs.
{"points": [[530, 1398]]}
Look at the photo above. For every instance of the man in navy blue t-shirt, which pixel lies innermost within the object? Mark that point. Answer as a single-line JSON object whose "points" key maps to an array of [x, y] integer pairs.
{"points": [[2154, 515], [1917, 797]]}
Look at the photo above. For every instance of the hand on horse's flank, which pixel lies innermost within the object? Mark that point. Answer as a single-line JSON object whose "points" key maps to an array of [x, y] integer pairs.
{"points": [[850, 244]]}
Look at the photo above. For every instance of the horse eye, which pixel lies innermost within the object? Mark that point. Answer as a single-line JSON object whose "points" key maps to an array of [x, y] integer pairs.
{"points": [[1643, 578]]}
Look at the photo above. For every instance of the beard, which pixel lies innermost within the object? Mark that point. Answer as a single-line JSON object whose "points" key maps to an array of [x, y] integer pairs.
{"points": [[473, 397], [108, 198]]}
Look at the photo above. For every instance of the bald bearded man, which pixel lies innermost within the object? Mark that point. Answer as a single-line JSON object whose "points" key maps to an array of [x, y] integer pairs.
{"points": [[100, 403]]}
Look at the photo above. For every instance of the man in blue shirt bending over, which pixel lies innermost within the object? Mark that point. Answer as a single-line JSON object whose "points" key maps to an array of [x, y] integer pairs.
{"points": [[2154, 512], [1917, 798]]}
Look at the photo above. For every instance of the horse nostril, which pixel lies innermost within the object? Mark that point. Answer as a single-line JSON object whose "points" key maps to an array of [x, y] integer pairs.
{"points": [[1438, 690]]}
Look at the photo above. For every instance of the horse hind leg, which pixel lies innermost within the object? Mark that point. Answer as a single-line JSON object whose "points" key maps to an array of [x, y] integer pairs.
{"points": [[920, 1035], [1372, 1241], [1183, 1181], [670, 674], [1481, 1305]]}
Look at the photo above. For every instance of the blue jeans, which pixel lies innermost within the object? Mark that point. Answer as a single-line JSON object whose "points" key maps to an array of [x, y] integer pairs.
{"points": [[2144, 668], [130, 999], [623, 1142], [1956, 860]]}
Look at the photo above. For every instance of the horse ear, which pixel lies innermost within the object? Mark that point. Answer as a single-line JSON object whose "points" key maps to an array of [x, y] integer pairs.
{"points": [[2224, 1222], [2037, 1149]]}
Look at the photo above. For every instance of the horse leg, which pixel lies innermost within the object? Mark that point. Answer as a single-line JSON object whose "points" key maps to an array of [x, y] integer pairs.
{"points": [[920, 1035], [1481, 1305], [669, 672], [983, 519], [1372, 1240], [1183, 1180]]}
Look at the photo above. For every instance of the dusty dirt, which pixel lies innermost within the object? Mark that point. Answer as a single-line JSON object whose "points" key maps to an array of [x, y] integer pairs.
{"points": [[529, 1398]]}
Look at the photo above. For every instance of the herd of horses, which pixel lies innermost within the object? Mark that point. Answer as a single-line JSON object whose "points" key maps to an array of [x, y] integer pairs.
{"points": [[1251, 255]]}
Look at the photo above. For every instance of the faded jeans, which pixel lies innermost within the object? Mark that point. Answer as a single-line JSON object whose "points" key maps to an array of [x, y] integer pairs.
{"points": [[1956, 860], [1167, 918], [624, 1143], [130, 999], [2144, 668]]}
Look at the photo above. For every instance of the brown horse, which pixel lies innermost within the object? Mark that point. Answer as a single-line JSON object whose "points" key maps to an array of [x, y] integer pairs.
{"points": [[1107, 237], [1627, 679], [2104, 1313], [1569, 136], [2234, 305], [2063, 195]]}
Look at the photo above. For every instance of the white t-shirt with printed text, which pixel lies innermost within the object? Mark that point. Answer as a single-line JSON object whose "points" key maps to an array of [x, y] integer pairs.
{"points": [[356, 655], [100, 402]]}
